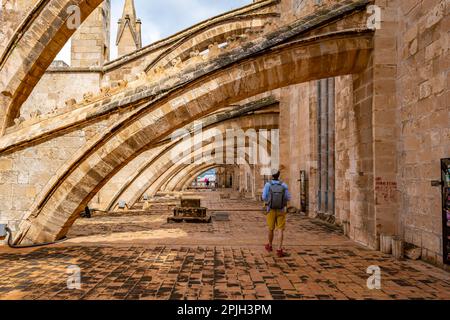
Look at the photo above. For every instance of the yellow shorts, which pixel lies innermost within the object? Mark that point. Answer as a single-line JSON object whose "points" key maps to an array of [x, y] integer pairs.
{"points": [[276, 219]]}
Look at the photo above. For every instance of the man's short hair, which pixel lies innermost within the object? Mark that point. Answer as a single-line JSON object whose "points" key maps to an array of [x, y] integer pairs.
{"points": [[276, 175]]}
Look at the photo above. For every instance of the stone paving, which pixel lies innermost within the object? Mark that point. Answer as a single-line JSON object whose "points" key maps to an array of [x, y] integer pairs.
{"points": [[141, 256]]}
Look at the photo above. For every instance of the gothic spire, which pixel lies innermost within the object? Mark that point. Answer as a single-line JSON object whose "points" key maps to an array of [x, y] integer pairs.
{"points": [[129, 36]]}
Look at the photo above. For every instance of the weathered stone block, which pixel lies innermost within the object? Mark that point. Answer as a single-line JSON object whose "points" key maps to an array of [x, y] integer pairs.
{"points": [[190, 212], [190, 203]]}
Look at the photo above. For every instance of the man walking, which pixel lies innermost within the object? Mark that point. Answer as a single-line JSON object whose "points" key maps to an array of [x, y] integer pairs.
{"points": [[276, 195]]}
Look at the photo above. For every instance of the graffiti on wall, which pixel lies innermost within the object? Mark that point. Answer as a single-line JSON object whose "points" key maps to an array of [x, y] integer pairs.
{"points": [[386, 191]]}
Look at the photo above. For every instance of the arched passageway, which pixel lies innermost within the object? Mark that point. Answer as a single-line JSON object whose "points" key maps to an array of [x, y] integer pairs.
{"points": [[48, 26], [294, 63], [276, 61], [217, 124]]}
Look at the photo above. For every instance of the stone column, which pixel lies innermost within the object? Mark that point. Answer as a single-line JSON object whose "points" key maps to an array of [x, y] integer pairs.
{"points": [[312, 168], [385, 134], [344, 105], [285, 134]]}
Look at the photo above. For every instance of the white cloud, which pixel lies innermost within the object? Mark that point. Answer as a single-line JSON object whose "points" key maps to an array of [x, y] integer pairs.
{"points": [[161, 19]]}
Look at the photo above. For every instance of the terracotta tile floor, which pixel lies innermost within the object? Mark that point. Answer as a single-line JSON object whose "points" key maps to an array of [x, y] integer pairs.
{"points": [[143, 257]]}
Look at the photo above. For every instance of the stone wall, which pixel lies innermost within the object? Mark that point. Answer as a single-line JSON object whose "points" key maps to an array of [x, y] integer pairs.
{"points": [[353, 154], [354, 202], [56, 87], [359, 148], [24, 174], [344, 106], [392, 129], [296, 126], [91, 42], [424, 119]]}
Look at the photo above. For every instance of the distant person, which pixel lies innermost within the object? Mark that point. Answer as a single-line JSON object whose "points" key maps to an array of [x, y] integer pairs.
{"points": [[207, 182], [276, 195]]}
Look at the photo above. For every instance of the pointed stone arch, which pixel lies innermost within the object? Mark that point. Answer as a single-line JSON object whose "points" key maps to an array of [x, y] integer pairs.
{"points": [[268, 69], [40, 37], [30, 51], [164, 182], [135, 187]]}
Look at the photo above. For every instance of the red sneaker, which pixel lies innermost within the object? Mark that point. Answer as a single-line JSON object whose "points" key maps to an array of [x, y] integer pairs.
{"points": [[269, 248], [281, 253]]}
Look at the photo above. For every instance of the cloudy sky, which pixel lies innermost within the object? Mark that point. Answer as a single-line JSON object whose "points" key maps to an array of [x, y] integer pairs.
{"points": [[164, 18]]}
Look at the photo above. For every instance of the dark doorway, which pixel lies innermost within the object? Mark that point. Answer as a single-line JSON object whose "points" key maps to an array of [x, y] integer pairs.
{"points": [[445, 166]]}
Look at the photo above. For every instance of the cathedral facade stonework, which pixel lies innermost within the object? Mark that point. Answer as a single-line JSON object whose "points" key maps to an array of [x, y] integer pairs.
{"points": [[357, 89]]}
